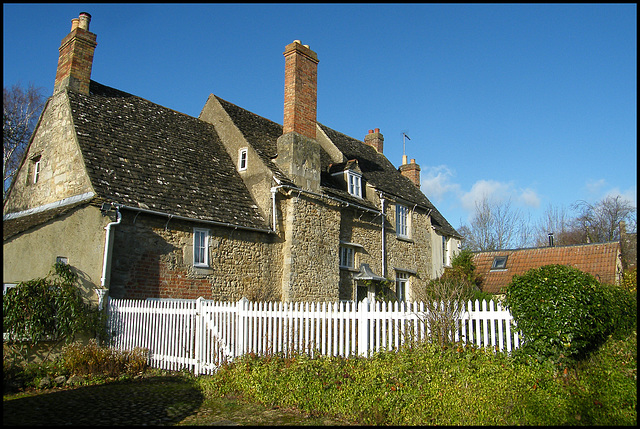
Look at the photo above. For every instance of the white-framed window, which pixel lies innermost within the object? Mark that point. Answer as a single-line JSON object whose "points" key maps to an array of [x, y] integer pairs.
{"points": [[347, 257], [35, 169], [402, 221], [242, 159], [445, 250], [354, 182], [7, 286], [402, 280], [200, 247]]}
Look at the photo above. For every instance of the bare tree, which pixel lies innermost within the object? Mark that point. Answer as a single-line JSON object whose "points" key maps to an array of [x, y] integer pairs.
{"points": [[557, 220], [495, 226], [599, 222], [20, 111]]}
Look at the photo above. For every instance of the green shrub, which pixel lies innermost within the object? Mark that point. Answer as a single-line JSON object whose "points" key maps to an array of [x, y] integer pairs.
{"points": [[49, 308], [429, 384], [562, 312], [622, 304], [92, 359]]}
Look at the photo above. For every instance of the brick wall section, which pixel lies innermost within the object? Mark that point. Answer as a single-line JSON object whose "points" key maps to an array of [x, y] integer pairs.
{"points": [[300, 90], [76, 59]]}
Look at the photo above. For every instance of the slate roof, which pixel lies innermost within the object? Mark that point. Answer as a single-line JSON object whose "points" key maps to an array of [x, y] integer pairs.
{"points": [[140, 154], [599, 260], [376, 169]]}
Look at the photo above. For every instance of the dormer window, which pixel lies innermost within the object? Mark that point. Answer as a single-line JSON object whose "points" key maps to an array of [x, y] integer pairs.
{"points": [[354, 182], [242, 159]]}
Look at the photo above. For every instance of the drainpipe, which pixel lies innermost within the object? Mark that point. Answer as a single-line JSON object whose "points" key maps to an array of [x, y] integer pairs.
{"points": [[383, 244], [107, 247]]}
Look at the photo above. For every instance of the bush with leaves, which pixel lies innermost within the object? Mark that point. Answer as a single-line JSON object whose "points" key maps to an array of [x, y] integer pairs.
{"points": [[50, 308], [562, 312]]}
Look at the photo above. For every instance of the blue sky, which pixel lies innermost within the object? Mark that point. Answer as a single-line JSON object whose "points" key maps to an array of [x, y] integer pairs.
{"points": [[533, 103]]}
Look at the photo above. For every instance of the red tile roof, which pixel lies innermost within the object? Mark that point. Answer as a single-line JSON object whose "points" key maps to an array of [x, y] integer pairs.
{"points": [[601, 260]]}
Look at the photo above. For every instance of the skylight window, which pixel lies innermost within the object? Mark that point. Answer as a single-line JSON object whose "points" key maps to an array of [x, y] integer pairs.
{"points": [[499, 263]]}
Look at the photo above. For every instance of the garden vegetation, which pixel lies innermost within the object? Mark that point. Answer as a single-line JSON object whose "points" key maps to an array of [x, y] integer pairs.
{"points": [[591, 382]]}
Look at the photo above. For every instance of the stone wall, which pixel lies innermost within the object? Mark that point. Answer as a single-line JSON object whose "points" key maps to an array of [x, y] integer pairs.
{"points": [[153, 258], [62, 173], [310, 253]]}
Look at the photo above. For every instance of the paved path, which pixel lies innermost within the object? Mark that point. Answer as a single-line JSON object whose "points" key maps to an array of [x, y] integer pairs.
{"points": [[158, 401]]}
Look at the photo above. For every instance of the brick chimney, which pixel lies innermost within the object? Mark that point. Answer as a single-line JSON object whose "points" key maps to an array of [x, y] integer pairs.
{"points": [[375, 139], [298, 150], [76, 56], [300, 90], [410, 171]]}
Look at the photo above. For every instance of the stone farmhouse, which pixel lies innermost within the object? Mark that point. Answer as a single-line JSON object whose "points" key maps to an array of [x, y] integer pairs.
{"points": [[144, 201]]}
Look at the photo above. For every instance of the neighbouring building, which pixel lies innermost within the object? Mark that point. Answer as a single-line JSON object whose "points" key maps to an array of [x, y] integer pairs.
{"points": [[144, 201], [497, 268]]}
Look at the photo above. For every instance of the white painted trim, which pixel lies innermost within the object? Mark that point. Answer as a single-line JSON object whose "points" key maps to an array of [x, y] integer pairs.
{"points": [[61, 203]]}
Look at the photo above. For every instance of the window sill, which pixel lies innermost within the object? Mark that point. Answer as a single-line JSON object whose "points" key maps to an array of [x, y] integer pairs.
{"points": [[405, 239]]}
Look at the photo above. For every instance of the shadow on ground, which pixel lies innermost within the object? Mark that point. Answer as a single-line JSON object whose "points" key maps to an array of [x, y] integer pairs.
{"points": [[149, 401]]}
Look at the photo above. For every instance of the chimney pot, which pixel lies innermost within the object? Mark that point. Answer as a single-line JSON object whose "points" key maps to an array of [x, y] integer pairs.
{"points": [[74, 23], [84, 20], [377, 130], [370, 131]]}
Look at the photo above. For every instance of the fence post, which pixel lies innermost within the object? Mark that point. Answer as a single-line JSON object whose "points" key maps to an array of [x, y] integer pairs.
{"points": [[363, 327], [241, 311], [199, 335]]}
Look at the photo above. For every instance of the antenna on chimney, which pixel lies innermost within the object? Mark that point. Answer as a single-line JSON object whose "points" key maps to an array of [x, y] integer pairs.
{"points": [[404, 156]]}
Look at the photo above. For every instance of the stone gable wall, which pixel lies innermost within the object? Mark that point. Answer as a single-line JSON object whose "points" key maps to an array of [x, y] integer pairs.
{"points": [[62, 172]]}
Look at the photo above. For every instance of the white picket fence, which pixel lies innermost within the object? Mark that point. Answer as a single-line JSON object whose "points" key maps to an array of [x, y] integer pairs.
{"points": [[201, 334]]}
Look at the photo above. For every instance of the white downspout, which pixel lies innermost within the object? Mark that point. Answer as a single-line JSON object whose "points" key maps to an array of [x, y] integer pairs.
{"points": [[384, 270], [107, 248]]}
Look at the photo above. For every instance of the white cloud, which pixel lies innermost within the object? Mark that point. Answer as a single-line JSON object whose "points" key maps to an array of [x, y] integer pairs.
{"points": [[497, 192], [629, 194], [529, 198], [494, 191], [436, 182], [594, 187]]}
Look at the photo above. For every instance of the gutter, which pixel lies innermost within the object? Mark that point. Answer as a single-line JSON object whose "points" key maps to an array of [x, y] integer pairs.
{"points": [[211, 222]]}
